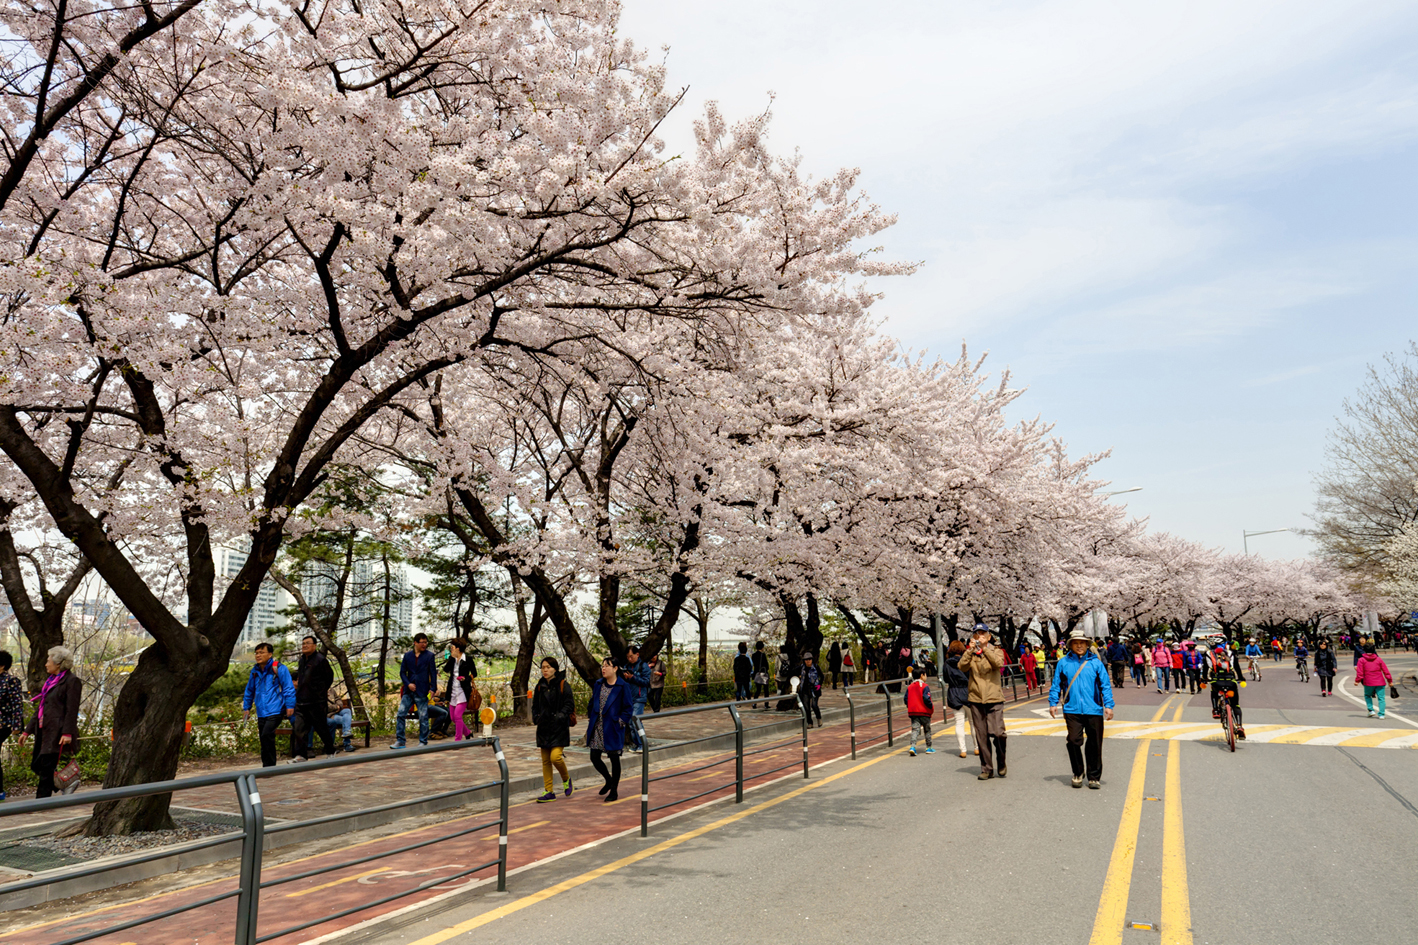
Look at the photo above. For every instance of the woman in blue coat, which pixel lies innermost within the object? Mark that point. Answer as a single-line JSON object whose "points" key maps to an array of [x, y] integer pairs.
{"points": [[607, 715]]}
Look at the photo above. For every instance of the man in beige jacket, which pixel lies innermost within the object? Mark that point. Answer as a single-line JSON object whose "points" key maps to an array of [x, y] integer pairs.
{"points": [[981, 664]]}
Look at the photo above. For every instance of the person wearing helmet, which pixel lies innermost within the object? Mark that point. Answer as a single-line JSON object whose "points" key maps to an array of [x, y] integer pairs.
{"points": [[1226, 684]]}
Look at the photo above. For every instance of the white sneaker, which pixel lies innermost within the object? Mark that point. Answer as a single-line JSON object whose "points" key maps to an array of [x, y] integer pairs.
{"points": [[1371, 714]]}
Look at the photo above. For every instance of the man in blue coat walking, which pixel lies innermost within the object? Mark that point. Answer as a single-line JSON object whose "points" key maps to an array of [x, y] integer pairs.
{"points": [[1081, 684], [271, 693]]}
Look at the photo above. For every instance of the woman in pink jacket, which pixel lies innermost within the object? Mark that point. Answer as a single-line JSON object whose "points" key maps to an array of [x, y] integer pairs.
{"points": [[1162, 665], [1372, 673]]}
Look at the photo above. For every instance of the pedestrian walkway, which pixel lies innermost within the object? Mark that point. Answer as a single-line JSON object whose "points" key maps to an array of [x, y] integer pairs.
{"points": [[537, 831]]}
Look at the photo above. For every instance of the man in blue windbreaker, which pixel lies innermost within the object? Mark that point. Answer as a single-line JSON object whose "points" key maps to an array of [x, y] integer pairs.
{"points": [[1081, 685], [271, 693]]}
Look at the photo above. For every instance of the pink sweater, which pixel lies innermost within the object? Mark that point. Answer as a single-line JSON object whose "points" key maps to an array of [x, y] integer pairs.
{"points": [[1372, 671]]}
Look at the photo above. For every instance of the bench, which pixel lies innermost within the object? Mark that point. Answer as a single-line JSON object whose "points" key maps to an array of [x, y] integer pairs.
{"points": [[284, 731]]}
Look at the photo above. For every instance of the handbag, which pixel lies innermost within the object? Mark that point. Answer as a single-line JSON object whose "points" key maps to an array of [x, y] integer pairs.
{"points": [[66, 779], [1392, 691]]}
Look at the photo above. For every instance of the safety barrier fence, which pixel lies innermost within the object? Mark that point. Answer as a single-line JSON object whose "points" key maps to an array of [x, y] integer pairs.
{"points": [[647, 749], [254, 831], [874, 694]]}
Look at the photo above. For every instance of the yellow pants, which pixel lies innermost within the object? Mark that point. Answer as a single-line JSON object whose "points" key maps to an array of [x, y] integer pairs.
{"points": [[552, 757]]}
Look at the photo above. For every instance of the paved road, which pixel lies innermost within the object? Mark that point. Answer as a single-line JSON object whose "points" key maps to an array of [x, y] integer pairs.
{"points": [[1198, 843], [1286, 843]]}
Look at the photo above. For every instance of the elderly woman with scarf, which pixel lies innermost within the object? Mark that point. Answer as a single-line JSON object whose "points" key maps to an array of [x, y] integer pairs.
{"points": [[55, 725]]}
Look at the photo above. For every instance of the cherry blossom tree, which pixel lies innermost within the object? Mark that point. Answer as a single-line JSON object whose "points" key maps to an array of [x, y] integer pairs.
{"points": [[268, 230]]}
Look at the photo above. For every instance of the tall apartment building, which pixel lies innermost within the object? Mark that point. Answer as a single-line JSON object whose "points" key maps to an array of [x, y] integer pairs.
{"points": [[364, 598], [270, 600]]}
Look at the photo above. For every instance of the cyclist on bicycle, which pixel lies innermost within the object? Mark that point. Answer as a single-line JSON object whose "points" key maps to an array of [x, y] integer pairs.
{"points": [[1302, 656], [1254, 653], [1225, 683]]}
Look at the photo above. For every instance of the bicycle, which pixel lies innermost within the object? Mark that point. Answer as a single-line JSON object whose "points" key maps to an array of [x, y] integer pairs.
{"points": [[1303, 667], [1227, 691], [1252, 667]]}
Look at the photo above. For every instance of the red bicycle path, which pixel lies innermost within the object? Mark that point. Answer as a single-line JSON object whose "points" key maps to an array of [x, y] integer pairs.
{"points": [[536, 832]]}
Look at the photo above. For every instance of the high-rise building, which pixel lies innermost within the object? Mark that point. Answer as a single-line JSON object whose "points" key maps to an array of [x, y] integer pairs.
{"points": [[363, 614], [270, 600]]}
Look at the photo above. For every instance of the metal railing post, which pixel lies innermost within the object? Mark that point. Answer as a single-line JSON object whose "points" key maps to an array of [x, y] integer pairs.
{"points": [[253, 822], [738, 753], [890, 736], [244, 935], [1014, 684], [502, 827], [644, 778], [852, 721], [803, 705]]}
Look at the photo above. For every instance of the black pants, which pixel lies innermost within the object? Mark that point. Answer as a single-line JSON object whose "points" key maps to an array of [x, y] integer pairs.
{"points": [[307, 719], [655, 697], [1119, 669], [612, 777], [835, 674], [810, 706], [44, 767], [760, 691], [1326, 684], [266, 727], [1194, 677], [1085, 744]]}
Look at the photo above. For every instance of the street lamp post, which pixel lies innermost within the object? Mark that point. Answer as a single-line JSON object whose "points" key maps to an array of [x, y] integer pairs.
{"points": [[1246, 536]]}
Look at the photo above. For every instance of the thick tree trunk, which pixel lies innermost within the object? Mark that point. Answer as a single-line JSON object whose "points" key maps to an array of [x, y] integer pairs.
{"points": [[149, 718], [701, 617], [44, 632], [793, 623], [812, 629]]}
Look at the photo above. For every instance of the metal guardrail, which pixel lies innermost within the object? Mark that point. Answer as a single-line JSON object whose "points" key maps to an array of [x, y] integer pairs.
{"points": [[1011, 677], [253, 834], [738, 756], [852, 711]]}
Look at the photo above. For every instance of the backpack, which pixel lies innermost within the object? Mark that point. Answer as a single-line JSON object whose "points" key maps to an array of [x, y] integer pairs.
{"points": [[957, 686]]}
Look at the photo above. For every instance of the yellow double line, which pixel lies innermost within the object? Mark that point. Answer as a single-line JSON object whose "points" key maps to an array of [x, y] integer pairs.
{"points": [[1176, 919]]}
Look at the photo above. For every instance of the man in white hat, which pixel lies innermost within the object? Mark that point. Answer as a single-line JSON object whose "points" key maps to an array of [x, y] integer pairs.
{"points": [[1081, 684]]}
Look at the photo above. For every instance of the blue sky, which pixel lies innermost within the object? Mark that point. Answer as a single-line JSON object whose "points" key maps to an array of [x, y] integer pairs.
{"points": [[1186, 229]]}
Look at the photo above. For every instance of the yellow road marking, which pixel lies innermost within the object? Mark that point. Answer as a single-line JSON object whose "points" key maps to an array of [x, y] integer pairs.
{"points": [[1300, 738], [1113, 903], [1375, 739], [337, 882], [1176, 900], [566, 885]]}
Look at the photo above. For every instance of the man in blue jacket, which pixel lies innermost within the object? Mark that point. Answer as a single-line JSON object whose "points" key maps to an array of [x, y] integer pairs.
{"points": [[270, 691], [1081, 684], [419, 675]]}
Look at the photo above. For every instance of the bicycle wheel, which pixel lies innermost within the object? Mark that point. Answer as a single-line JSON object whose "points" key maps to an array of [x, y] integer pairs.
{"points": [[1230, 727]]}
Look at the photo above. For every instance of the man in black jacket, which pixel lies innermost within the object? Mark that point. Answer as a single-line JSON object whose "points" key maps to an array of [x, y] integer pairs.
{"points": [[313, 678]]}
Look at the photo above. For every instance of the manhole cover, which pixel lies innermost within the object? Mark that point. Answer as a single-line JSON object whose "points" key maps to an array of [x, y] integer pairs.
{"points": [[31, 859]]}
